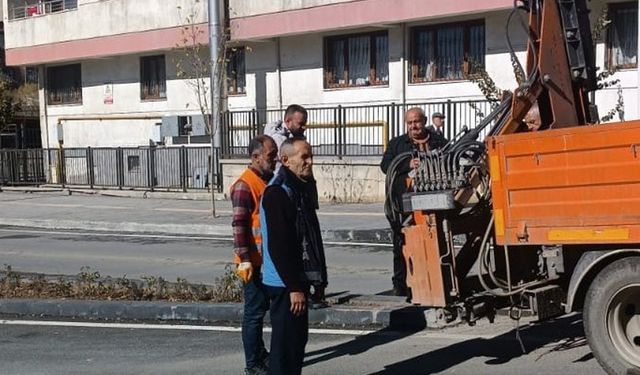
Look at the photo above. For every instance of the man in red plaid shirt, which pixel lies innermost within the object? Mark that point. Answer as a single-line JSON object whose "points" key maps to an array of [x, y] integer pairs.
{"points": [[246, 193]]}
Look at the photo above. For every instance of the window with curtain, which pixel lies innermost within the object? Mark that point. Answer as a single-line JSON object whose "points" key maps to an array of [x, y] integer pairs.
{"points": [[153, 78], [64, 84], [622, 36], [236, 82], [356, 60], [446, 52]]}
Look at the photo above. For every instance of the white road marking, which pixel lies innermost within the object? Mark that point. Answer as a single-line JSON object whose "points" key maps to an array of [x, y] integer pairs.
{"points": [[168, 209], [186, 327], [97, 234], [179, 327], [161, 236]]}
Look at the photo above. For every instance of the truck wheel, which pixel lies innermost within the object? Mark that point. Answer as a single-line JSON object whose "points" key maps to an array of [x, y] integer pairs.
{"points": [[612, 316]]}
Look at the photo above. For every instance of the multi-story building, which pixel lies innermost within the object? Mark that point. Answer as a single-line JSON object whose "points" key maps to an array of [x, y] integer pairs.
{"points": [[330, 52], [108, 74], [22, 130]]}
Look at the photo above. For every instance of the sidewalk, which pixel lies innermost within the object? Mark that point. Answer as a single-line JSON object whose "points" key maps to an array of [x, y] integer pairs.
{"points": [[131, 212], [54, 208]]}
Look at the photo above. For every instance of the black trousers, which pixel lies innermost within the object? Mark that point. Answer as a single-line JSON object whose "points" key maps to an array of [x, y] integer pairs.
{"points": [[399, 278], [289, 334]]}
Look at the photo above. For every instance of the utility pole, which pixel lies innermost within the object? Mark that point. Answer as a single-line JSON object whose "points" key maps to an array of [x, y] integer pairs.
{"points": [[214, 47]]}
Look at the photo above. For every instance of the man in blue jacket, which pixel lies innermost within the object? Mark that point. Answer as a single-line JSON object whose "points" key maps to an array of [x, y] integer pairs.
{"points": [[293, 255]]}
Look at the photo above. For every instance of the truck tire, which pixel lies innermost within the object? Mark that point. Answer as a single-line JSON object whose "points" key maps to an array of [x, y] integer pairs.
{"points": [[612, 316]]}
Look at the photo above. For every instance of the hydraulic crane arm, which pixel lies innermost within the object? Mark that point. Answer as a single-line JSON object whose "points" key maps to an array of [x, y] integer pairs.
{"points": [[560, 66]]}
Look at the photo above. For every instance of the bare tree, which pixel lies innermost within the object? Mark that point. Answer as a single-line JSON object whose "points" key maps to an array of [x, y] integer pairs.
{"points": [[194, 66]]}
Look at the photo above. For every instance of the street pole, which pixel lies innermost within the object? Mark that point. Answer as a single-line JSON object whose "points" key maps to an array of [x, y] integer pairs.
{"points": [[214, 47]]}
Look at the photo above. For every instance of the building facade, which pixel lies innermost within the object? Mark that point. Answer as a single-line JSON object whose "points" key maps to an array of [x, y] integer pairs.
{"points": [[108, 69], [330, 52], [110, 72]]}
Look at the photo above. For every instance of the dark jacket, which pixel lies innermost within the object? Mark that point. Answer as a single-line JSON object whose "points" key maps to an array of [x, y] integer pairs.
{"points": [[397, 146], [292, 244], [439, 139]]}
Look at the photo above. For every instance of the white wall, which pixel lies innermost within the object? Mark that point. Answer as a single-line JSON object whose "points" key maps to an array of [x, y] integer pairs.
{"points": [[95, 18], [124, 73], [301, 63], [244, 8]]}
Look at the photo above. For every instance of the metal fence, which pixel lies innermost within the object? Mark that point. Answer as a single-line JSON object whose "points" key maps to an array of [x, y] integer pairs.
{"points": [[22, 167], [348, 130], [171, 168], [31, 8]]}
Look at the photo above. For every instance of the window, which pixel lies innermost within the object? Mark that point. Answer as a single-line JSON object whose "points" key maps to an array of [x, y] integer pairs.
{"points": [[185, 126], [236, 72], [31, 8], [64, 84], [446, 52], [133, 163], [622, 36], [356, 60], [153, 78]]}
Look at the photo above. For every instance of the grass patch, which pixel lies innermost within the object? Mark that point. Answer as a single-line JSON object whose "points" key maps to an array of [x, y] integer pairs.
{"points": [[89, 284]]}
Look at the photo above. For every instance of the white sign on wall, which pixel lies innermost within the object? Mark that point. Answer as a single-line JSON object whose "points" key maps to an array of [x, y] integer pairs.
{"points": [[108, 93]]}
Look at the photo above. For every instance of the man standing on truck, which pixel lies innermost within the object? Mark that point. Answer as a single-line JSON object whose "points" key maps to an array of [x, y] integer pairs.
{"points": [[417, 138]]}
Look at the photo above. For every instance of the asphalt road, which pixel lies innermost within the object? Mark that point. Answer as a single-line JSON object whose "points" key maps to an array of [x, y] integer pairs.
{"points": [[552, 348], [358, 269]]}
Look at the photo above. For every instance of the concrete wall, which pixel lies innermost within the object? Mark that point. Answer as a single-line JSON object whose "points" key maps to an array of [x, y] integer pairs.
{"points": [[123, 73], [95, 18], [245, 8], [347, 180], [301, 70]]}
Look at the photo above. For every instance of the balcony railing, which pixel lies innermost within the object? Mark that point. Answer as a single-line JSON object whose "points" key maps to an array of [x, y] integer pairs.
{"points": [[33, 8]]}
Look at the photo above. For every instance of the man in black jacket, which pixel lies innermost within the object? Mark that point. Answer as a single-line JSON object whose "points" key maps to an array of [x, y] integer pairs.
{"points": [[418, 137], [293, 255]]}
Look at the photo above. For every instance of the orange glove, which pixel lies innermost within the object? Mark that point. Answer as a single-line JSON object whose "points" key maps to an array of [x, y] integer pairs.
{"points": [[245, 271]]}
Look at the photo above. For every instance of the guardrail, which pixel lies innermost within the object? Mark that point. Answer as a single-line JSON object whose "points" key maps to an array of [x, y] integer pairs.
{"points": [[171, 168], [22, 167], [32, 8], [348, 130]]}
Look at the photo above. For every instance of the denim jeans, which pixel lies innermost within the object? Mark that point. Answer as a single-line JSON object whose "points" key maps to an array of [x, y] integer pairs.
{"points": [[256, 304]]}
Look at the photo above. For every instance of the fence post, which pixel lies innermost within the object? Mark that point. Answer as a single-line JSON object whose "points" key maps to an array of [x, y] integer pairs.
{"points": [[343, 131], [119, 168], [2, 181], [63, 167], [184, 177], [453, 120], [89, 157], [336, 132], [151, 168], [387, 128]]}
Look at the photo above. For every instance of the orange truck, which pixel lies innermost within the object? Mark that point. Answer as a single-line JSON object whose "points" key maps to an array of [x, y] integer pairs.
{"points": [[545, 220]]}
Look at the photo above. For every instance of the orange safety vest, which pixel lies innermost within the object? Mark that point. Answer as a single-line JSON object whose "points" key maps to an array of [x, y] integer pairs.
{"points": [[257, 186]]}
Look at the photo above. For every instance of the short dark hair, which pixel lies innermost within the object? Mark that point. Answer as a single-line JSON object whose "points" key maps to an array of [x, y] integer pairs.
{"points": [[293, 108], [257, 143], [288, 143]]}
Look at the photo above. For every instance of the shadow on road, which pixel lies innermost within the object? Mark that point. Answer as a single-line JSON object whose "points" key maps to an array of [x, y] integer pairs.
{"points": [[397, 330], [567, 331]]}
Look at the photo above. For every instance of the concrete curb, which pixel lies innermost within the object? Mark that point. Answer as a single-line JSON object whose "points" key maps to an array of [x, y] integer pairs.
{"points": [[377, 236], [348, 317]]}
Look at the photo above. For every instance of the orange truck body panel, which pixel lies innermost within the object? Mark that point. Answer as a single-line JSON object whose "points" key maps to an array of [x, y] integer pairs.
{"points": [[578, 185]]}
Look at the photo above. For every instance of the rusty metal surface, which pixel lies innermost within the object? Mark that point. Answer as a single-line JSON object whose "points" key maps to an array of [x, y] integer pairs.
{"points": [[424, 272]]}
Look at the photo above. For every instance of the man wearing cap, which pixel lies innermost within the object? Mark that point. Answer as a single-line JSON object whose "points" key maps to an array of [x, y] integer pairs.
{"points": [[437, 130]]}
